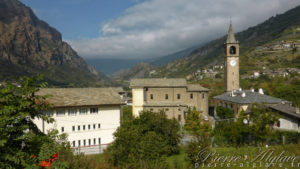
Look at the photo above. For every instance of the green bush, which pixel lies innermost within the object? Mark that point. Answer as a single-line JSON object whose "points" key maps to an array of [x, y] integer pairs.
{"points": [[143, 140]]}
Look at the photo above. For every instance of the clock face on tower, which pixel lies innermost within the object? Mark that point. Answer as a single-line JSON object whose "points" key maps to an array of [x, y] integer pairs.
{"points": [[232, 63]]}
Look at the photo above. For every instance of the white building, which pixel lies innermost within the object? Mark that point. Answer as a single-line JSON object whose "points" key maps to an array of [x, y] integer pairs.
{"points": [[290, 117], [89, 116]]}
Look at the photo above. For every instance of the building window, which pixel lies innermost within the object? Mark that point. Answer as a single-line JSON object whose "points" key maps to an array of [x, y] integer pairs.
{"points": [[84, 143], [89, 127], [278, 123], [191, 96], [167, 96], [60, 112], [49, 113], [203, 95], [73, 144], [151, 96], [94, 141], [83, 127], [89, 142], [73, 128], [167, 109], [83, 111], [78, 143], [99, 126], [179, 117], [78, 128], [178, 96], [151, 109], [72, 112], [94, 110], [62, 129], [94, 126], [99, 141]]}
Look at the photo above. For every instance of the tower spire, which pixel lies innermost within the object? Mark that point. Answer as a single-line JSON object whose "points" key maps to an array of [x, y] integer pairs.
{"points": [[230, 37]]}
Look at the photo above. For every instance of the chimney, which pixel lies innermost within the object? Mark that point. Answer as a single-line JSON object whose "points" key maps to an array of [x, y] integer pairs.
{"points": [[297, 110], [260, 91], [243, 94], [232, 94]]}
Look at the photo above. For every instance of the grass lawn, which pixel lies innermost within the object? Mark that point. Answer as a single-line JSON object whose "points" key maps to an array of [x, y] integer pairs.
{"points": [[178, 160], [261, 156]]}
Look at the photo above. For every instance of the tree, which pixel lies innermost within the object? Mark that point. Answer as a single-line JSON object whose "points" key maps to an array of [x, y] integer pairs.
{"points": [[201, 132], [127, 113], [143, 140], [20, 139], [224, 113], [261, 122], [233, 131], [229, 130]]}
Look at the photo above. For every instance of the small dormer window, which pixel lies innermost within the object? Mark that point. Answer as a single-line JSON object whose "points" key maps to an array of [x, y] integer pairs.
{"points": [[72, 112], [49, 113], [94, 110], [60, 112], [83, 111]]}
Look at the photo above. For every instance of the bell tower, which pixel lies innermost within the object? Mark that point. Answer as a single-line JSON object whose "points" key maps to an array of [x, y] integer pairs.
{"points": [[231, 62]]}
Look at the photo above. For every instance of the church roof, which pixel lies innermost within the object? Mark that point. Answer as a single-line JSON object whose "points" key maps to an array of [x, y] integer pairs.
{"points": [[249, 98], [195, 88], [231, 37], [158, 82], [163, 82]]}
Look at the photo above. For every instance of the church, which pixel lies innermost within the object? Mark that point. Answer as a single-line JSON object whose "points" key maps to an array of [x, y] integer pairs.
{"points": [[237, 100]]}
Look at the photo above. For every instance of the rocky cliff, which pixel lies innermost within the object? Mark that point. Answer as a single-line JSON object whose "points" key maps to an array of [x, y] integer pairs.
{"points": [[29, 45]]}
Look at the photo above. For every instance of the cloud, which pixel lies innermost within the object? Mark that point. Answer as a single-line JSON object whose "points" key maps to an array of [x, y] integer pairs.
{"points": [[159, 27]]}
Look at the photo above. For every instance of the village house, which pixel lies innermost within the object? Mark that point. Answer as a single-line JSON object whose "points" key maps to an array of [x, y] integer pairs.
{"points": [[290, 117], [174, 96], [89, 116]]}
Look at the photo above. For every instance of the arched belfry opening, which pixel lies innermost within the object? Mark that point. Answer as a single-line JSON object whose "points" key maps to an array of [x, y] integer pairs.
{"points": [[232, 50]]}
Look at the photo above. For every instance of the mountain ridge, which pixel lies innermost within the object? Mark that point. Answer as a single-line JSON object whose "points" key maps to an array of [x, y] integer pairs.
{"points": [[30, 46], [212, 52]]}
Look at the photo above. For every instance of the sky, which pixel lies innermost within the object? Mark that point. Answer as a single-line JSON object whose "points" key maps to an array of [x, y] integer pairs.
{"points": [[140, 29]]}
